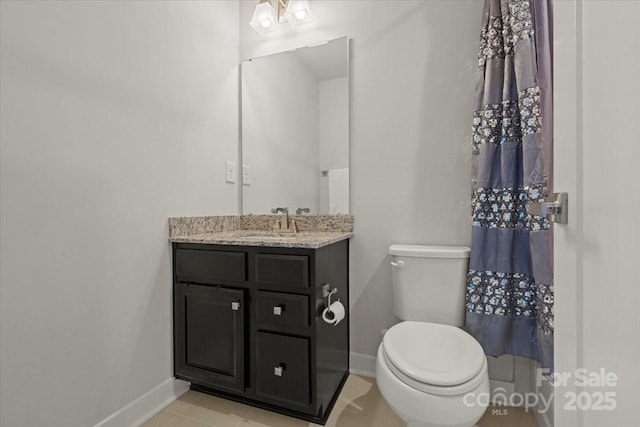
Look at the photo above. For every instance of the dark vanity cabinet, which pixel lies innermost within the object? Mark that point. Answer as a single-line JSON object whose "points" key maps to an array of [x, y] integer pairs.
{"points": [[248, 324]]}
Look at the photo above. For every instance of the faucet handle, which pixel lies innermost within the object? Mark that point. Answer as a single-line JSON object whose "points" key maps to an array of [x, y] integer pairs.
{"points": [[302, 210]]}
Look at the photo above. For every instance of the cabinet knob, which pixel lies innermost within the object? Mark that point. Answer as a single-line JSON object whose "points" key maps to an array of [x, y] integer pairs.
{"points": [[278, 370], [235, 305], [277, 310]]}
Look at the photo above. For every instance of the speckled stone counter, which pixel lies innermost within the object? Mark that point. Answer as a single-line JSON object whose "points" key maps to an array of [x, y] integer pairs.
{"points": [[314, 231]]}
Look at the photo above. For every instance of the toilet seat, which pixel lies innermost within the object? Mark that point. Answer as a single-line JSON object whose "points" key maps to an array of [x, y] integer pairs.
{"points": [[434, 358]]}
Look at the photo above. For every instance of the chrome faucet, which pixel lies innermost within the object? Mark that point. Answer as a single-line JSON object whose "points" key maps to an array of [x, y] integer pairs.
{"points": [[300, 211], [284, 221]]}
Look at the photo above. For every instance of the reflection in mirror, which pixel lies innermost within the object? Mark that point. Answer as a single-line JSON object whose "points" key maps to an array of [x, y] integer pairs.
{"points": [[295, 130]]}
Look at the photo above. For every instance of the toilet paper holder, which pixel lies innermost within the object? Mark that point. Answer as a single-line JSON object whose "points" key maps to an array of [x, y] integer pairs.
{"points": [[333, 313], [327, 292]]}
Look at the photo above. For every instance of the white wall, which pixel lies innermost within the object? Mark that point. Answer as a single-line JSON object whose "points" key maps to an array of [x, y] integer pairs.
{"points": [[280, 134], [596, 158], [115, 116], [412, 88]]}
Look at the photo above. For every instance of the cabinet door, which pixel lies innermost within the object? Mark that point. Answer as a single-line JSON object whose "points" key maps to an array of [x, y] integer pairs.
{"points": [[209, 335], [282, 369]]}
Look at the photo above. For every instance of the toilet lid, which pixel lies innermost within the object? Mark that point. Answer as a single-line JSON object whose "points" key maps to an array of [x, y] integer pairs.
{"points": [[435, 354]]}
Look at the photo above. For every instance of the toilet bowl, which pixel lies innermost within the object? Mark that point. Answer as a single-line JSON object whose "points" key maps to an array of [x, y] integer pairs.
{"points": [[431, 372], [433, 375]]}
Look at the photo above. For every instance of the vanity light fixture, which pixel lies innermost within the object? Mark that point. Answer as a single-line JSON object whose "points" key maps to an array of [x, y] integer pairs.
{"points": [[297, 12], [265, 20]]}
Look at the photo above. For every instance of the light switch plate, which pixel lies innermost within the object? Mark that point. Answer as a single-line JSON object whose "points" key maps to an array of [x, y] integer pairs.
{"points": [[246, 175], [231, 172]]}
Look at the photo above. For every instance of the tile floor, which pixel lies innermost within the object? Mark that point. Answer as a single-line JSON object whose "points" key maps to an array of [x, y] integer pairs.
{"points": [[359, 405]]}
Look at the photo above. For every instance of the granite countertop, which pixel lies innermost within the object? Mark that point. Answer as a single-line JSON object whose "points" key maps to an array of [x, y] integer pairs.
{"points": [[315, 231]]}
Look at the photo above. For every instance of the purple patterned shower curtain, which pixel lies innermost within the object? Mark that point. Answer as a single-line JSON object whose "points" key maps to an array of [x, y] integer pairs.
{"points": [[509, 297]]}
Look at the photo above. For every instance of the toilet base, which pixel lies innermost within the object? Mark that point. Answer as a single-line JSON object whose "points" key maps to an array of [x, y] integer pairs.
{"points": [[420, 409]]}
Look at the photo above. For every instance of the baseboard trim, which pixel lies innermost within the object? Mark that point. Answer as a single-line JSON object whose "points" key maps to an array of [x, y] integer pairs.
{"points": [[542, 418], [146, 406], [362, 364], [507, 388]]}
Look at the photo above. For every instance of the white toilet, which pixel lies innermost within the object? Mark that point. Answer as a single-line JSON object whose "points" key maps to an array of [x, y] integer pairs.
{"points": [[431, 372]]}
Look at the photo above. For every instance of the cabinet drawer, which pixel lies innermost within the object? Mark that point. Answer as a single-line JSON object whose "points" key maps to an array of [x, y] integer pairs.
{"points": [[282, 369], [286, 270], [211, 266], [282, 309]]}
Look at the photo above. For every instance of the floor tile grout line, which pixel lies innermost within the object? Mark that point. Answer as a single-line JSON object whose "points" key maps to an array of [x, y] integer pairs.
{"points": [[187, 404], [201, 421]]}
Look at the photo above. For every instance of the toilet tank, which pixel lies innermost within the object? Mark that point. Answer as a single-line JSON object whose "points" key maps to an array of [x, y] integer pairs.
{"points": [[429, 283]]}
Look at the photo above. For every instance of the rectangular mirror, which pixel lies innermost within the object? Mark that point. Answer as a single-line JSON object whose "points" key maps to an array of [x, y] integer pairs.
{"points": [[295, 130]]}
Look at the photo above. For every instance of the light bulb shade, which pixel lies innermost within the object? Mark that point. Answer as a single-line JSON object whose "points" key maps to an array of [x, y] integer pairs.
{"points": [[298, 12], [264, 18]]}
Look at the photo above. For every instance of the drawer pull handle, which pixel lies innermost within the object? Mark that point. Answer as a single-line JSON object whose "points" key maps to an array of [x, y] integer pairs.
{"points": [[277, 310], [278, 370], [235, 305]]}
